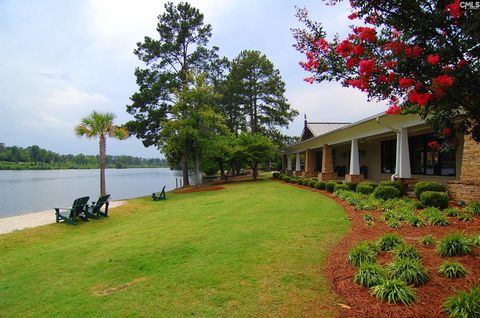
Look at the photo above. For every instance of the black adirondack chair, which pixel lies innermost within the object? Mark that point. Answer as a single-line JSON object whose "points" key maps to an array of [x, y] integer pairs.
{"points": [[159, 195], [95, 209], [70, 215]]}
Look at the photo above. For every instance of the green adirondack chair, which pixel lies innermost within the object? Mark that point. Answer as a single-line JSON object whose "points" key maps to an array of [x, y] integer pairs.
{"points": [[159, 195], [95, 209], [70, 215]]}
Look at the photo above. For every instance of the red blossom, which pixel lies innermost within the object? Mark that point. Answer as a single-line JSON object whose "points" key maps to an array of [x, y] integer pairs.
{"points": [[393, 110], [358, 50], [413, 51], [446, 131], [391, 77], [366, 34], [418, 85], [443, 81], [447, 68], [461, 63], [353, 16], [389, 64], [366, 67], [433, 59], [382, 78], [434, 145], [344, 48], [309, 80], [321, 44], [360, 83], [421, 99], [406, 82], [351, 62], [453, 9]]}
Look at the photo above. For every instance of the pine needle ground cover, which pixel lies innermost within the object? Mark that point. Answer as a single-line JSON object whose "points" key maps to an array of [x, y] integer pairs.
{"points": [[251, 249]]}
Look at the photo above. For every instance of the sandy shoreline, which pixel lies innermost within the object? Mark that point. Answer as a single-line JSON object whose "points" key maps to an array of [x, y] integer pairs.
{"points": [[20, 222]]}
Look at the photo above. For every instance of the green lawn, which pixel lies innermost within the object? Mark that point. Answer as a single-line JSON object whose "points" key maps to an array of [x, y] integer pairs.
{"points": [[254, 249]]}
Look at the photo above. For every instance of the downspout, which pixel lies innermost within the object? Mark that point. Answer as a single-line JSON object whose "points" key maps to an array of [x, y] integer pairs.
{"points": [[393, 176]]}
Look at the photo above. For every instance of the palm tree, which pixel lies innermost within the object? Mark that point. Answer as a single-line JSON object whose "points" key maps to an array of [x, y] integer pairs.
{"points": [[100, 125]]}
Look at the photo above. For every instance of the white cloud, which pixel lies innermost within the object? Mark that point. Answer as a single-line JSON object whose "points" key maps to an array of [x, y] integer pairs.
{"points": [[67, 95]]}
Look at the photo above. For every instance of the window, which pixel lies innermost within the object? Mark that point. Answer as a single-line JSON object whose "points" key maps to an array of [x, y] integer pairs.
{"points": [[427, 162], [389, 152]]}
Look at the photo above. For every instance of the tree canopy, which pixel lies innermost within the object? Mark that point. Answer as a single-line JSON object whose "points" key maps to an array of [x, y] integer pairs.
{"points": [[421, 56]]}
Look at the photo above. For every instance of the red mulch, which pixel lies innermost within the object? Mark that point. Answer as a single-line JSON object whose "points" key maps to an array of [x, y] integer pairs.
{"points": [[430, 296], [198, 189]]}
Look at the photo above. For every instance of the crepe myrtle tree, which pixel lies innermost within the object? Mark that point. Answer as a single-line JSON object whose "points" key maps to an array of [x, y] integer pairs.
{"points": [[100, 125], [421, 56]]}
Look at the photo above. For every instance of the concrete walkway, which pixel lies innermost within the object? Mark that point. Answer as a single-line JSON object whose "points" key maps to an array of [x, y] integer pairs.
{"points": [[35, 219]]}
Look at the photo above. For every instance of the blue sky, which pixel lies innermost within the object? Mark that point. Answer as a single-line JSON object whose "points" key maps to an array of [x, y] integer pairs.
{"points": [[59, 60]]}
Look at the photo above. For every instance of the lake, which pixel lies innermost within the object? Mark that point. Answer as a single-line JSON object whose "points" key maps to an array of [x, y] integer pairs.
{"points": [[26, 191]]}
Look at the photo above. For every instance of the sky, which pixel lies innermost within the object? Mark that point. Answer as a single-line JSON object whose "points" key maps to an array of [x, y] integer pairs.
{"points": [[60, 60]]}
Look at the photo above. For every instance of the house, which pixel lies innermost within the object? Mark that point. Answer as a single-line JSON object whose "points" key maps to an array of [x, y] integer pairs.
{"points": [[384, 147]]}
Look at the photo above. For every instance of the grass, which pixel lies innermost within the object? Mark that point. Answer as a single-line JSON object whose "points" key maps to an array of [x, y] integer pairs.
{"points": [[239, 252]]}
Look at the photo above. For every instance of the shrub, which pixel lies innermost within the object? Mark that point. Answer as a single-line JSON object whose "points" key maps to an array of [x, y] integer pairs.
{"points": [[394, 223], [465, 216], [394, 291], [473, 207], [320, 185], [341, 187], [451, 211], [311, 183], [396, 184], [389, 241], [454, 245], [367, 203], [452, 270], [423, 186], [475, 240], [372, 184], [434, 198], [386, 192], [403, 251], [352, 186], [427, 240], [364, 188], [364, 252], [275, 174], [330, 186], [415, 220], [286, 178], [368, 217], [293, 180], [411, 271], [300, 181], [434, 216], [464, 304], [369, 275]]}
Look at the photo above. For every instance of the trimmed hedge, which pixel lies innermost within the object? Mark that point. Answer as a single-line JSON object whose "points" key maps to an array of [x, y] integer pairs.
{"points": [[423, 186], [386, 192], [320, 185], [364, 188], [340, 187], [352, 186], [435, 199], [276, 175], [330, 186], [311, 183], [397, 184]]}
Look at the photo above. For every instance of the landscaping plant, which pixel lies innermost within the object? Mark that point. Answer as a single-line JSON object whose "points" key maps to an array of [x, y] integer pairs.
{"points": [[452, 270], [411, 271], [434, 199], [464, 304], [369, 275], [394, 291], [320, 185], [330, 186], [388, 242], [473, 207], [364, 252], [364, 188], [423, 186], [386, 192], [402, 251], [427, 240], [454, 245]]}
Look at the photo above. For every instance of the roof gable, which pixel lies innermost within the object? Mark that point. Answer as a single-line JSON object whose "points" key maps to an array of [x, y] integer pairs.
{"points": [[316, 129]]}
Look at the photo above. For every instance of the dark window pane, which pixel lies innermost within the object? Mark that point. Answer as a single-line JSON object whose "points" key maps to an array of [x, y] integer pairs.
{"points": [[389, 151]]}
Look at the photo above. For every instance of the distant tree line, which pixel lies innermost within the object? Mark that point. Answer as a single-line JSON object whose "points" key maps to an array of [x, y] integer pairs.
{"points": [[34, 157]]}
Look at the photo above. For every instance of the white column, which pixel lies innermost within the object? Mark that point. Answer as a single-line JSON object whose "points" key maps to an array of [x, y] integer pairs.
{"points": [[402, 164], [354, 160], [297, 162], [289, 162]]}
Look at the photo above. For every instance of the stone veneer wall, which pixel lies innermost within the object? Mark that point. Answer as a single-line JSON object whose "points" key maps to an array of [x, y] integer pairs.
{"points": [[468, 187]]}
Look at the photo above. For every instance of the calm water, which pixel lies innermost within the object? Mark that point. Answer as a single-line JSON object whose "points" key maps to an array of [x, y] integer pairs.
{"points": [[28, 191]]}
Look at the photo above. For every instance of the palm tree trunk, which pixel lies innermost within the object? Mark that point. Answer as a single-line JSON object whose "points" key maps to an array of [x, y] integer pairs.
{"points": [[103, 146]]}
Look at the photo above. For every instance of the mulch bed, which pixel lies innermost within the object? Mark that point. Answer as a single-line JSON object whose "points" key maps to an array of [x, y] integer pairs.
{"points": [[430, 296]]}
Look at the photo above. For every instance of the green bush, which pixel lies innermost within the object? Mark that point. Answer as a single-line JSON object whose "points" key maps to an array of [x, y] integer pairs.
{"points": [[364, 252], [320, 185], [403, 251], [475, 240], [388, 242], [352, 186], [330, 186], [473, 207], [396, 184], [464, 304], [275, 174], [454, 245], [427, 240], [293, 179], [434, 198], [300, 181], [394, 291], [411, 271], [341, 187], [364, 188], [369, 275], [386, 192], [451, 211], [286, 178], [368, 217], [465, 216], [415, 220], [452, 270], [423, 186], [394, 223], [311, 183], [434, 216], [367, 203]]}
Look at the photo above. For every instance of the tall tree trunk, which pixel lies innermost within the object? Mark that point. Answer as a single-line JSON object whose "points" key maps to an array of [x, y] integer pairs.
{"points": [[254, 170], [103, 146], [186, 183], [197, 169]]}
